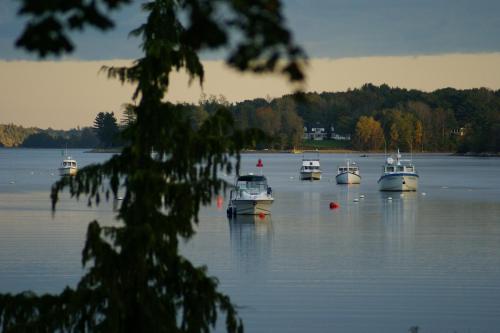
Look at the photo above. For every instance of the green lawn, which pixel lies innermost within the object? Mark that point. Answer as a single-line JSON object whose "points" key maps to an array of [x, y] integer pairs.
{"points": [[325, 144]]}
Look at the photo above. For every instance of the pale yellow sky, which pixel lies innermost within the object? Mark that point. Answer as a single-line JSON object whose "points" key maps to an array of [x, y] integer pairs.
{"points": [[66, 94]]}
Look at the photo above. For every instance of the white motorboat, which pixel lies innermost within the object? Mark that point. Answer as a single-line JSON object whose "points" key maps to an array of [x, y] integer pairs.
{"points": [[251, 196], [310, 170], [68, 167], [398, 175], [348, 173]]}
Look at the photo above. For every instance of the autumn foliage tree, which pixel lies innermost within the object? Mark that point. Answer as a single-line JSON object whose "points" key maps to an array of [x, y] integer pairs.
{"points": [[369, 134]]}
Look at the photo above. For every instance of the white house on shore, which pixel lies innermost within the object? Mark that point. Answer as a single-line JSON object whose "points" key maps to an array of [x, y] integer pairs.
{"points": [[321, 133], [340, 137], [458, 131], [315, 133]]}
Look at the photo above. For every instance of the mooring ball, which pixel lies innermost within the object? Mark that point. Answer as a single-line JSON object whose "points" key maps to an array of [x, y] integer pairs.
{"points": [[334, 205]]}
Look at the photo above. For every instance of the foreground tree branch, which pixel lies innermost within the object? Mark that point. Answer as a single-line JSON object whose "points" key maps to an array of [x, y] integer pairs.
{"points": [[136, 280]]}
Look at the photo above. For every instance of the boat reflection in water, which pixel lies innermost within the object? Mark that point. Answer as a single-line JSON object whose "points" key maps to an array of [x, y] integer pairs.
{"points": [[399, 211], [251, 240], [350, 197]]}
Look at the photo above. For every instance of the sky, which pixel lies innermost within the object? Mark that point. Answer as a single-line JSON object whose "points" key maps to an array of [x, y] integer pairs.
{"points": [[419, 44]]}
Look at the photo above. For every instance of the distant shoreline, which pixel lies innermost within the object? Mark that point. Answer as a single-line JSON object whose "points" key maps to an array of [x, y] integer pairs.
{"points": [[104, 150], [471, 154], [296, 152], [344, 151]]}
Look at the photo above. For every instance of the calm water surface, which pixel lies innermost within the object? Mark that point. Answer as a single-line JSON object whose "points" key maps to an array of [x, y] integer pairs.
{"points": [[371, 266]]}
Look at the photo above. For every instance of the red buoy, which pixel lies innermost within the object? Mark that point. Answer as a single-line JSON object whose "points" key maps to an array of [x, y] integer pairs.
{"points": [[259, 163], [334, 205], [220, 201], [262, 216]]}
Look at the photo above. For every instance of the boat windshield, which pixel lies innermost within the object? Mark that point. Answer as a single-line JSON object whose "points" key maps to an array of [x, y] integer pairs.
{"points": [[252, 183], [400, 168], [346, 169]]}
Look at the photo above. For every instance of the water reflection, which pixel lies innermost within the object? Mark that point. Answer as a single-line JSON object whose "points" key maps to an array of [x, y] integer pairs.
{"points": [[350, 198], [251, 240], [399, 212], [399, 209]]}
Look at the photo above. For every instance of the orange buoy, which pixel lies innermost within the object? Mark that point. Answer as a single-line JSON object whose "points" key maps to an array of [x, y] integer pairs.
{"points": [[220, 201], [334, 205]]}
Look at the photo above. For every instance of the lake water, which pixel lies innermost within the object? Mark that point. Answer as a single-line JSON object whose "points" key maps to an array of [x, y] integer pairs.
{"points": [[375, 265]]}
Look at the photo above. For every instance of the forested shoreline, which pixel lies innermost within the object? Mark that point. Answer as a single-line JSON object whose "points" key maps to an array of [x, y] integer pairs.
{"points": [[17, 136], [376, 117]]}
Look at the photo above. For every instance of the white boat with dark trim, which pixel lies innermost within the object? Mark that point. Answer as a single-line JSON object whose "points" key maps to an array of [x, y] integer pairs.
{"points": [[398, 175], [310, 170], [68, 167], [251, 196], [348, 173]]}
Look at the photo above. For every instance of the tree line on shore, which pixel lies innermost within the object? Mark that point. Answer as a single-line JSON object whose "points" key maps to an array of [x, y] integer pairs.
{"points": [[380, 116], [105, 134], [376, 117]]}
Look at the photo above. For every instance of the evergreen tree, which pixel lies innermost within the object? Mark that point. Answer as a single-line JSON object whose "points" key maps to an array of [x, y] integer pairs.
{"points": [[106, 128], [136, 279], [128, 115]]}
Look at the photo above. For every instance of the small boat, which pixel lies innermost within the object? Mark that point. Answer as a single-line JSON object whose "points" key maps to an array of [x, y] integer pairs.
{"points": [[348, 173], [251, 196], [310, 170], [68, 167], [398, 175]]}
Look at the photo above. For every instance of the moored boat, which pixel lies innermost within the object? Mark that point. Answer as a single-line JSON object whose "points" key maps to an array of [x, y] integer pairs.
{"points": [[251, 196], [348, 173], [310, 169], [398, 175], [68, 167]]}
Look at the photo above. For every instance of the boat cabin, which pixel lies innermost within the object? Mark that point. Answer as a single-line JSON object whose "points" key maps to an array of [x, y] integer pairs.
{"points": [[351, 169], [398, 168], [310, 165], [68, 164], [252, 183]]}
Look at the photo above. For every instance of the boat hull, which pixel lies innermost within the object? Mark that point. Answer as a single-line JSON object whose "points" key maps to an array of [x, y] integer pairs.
{"points": [[310, 176], [67, 171], [348, 178], [251, 207], [398, 182]]}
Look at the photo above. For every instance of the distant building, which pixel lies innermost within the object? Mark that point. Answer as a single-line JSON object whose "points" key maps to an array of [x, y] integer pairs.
{"points": [[321, 133], [315, 133], [340, 137], [337, 136], [458, 131]]}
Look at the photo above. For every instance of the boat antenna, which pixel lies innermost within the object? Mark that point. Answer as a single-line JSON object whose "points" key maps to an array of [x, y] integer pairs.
{"points": [[411, 153], [385, 149]]}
